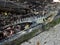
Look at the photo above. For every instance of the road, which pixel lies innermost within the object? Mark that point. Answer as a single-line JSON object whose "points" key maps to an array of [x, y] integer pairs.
{"points": [[51, 37]]}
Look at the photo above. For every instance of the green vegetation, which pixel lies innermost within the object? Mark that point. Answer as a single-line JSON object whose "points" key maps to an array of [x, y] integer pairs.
{"points": [[51, 24], [24, 38], [34, 32]]}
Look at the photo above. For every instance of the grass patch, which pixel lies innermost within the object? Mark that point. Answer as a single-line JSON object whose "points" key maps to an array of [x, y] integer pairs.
{"points": [[25, 37]]}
